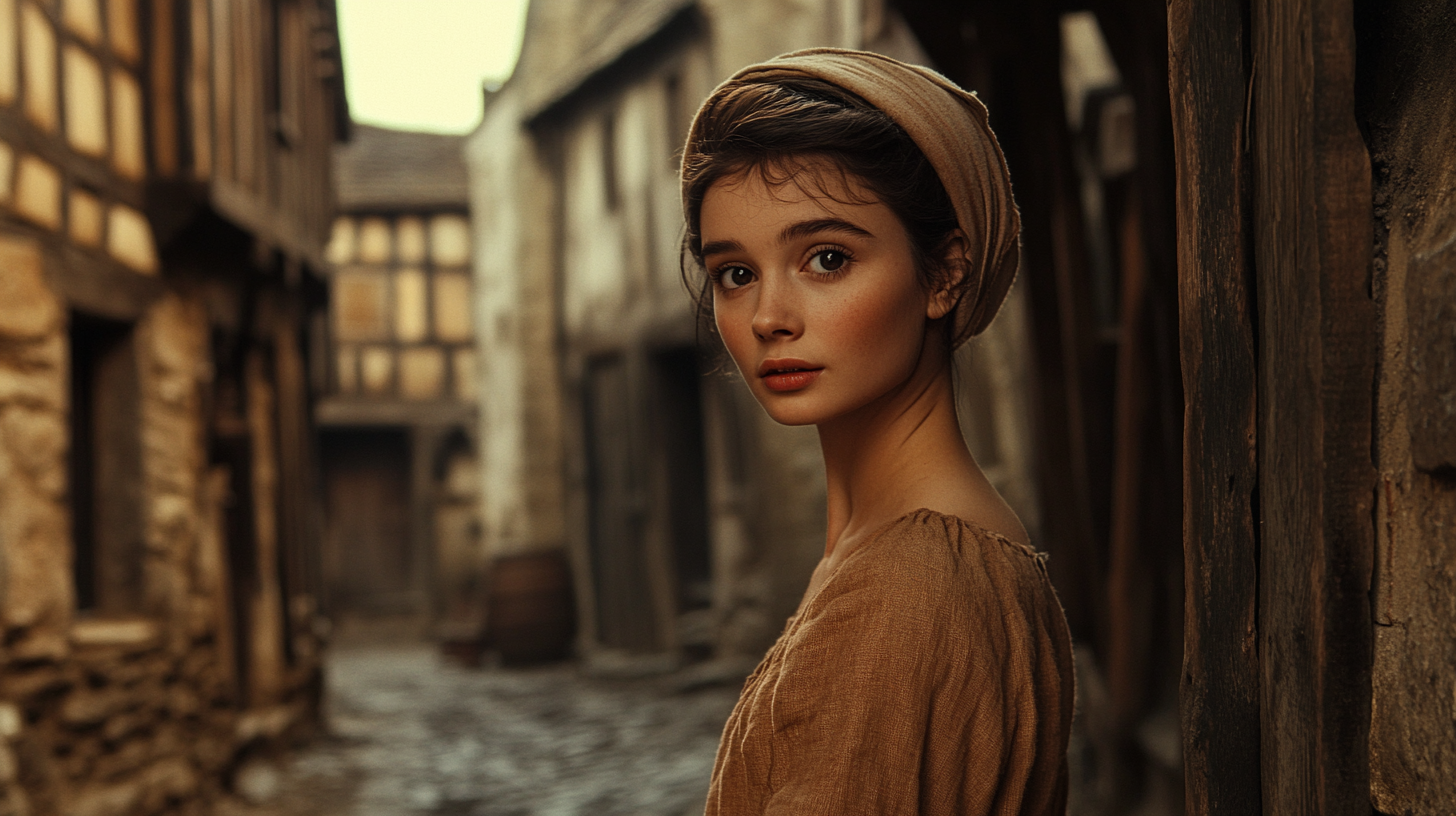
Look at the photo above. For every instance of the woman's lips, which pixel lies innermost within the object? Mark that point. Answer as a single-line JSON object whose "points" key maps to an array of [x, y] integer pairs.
{"points": [[788, 375]]}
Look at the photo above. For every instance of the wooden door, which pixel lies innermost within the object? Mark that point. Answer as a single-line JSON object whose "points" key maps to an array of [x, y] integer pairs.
{"points": [[625, 611], [369, 564]]}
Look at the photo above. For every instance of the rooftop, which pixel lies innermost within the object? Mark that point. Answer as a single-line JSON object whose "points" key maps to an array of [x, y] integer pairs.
{"points": [[381, 168]]}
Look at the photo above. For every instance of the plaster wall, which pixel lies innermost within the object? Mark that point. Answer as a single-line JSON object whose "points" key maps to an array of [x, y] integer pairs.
{"points": [[513, 205]]}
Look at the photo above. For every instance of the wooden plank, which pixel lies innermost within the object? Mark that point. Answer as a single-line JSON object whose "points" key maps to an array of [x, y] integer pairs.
{"points": [[1350, 340], [1312, 238], [265, 605], [1129, 585], [199, 88], [248, 131], [1220, 688], [222, 85], [162, 58]]}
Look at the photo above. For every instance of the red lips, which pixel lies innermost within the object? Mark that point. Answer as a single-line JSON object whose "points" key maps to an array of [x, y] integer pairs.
{"points": [[787, 373]]}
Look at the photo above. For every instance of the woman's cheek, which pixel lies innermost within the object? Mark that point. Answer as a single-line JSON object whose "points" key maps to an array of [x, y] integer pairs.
{"points": [[735, 327], [869, 327]]}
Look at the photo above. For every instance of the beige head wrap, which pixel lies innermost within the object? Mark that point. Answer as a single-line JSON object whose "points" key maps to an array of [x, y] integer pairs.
{"points": [[949, 126]]}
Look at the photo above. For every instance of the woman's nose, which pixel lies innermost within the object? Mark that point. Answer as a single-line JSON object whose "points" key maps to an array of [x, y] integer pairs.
{"points": [[777, 316]]}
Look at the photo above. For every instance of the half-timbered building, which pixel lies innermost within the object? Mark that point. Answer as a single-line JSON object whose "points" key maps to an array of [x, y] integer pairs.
{"points": [[398, 410], [164, 204]]}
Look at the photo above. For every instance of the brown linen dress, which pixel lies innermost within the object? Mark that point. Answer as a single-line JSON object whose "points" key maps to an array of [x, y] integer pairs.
{"points": [[930, 674]]}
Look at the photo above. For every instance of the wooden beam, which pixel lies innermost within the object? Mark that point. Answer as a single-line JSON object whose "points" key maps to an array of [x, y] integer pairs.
{"points": [[1220, 686], [1312, 248]]}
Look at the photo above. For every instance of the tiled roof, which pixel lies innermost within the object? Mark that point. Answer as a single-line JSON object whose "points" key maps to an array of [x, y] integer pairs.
{"points": [[381, 168]]}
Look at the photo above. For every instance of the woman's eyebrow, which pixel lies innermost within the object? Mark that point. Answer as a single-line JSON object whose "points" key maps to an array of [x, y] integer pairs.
{"points": [[719, 247], [802, 229], [798, 229]]}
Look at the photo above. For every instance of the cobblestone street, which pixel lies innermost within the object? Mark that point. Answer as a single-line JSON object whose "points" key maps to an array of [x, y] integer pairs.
{"points": [[410, 733]]}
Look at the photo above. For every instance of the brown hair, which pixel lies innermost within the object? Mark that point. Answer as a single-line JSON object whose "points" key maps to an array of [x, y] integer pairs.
{"points": [[773, 128]]}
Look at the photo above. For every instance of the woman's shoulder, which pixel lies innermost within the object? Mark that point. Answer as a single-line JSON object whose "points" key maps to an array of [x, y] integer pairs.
{"points": [[930, 563], [945, 543]]}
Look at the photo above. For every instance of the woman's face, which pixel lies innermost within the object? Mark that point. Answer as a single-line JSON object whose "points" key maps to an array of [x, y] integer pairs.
{"points": [[818, 301]]}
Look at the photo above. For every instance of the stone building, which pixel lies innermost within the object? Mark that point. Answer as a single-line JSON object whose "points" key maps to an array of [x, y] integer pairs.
{"points": [[398, 416], [164, 204], [608, 430]]}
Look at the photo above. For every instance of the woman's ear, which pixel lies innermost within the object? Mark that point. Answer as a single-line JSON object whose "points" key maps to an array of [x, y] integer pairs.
{"points": [[953, 265]]}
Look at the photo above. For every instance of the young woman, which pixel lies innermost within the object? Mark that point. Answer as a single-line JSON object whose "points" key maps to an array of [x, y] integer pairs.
{"points": [[854, 221]]}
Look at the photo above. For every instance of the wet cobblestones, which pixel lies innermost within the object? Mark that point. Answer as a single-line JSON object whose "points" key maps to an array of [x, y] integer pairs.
{"points": [[412, 734]]}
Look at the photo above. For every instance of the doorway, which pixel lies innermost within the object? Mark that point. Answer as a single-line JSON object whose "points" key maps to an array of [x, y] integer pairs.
{"points": [[369, 555]]}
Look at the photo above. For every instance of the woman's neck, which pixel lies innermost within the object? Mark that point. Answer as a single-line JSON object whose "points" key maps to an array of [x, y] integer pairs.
{"points": [[902, 452]]}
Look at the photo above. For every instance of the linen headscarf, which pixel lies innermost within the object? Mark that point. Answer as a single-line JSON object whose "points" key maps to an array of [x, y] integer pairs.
{"points": [[949, 126]]}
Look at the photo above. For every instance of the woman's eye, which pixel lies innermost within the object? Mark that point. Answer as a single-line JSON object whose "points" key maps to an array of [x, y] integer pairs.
{"points": [[827, 261], [734, 277]]}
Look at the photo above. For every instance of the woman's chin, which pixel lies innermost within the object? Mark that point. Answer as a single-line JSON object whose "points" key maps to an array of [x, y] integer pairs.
{"points": [[792, 411]]}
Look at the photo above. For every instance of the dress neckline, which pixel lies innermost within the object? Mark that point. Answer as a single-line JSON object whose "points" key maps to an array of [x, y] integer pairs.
{"points": [[879, 533]]}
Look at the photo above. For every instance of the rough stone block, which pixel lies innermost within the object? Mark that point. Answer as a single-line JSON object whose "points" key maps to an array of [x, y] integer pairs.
{"points": [[7, 169], [10, 721], [30, 386], [119, 799], [85, 218], [91, 707], [128, 136], [121, 726], [40, 644], [361, 306], [464, 362], [29, 310], [409, 240], [375, 241], [172, 778], [411, 306], [422, 372], [38, 53], [85, 100], [182, 702], [452, 307], [37, 441], [83, 18], [341, 241], [376, 365], [269, 722], [450, 240], [38, 592], [121, 25], [129, 239], [23, 684], [129, 634], [38, 192], [9, 52]]}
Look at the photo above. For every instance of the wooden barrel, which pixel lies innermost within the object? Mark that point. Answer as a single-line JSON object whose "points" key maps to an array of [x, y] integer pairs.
{"points": [[530, 614]]}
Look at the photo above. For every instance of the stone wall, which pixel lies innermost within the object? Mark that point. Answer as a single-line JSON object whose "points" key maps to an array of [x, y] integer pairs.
{"points": [[115, 714]]}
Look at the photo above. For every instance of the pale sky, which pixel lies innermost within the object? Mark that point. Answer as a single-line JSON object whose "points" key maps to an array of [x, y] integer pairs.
{"points": [[420, 64]]}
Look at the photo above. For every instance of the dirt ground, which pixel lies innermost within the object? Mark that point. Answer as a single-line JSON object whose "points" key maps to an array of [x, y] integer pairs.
{"points": [[411, 733]]}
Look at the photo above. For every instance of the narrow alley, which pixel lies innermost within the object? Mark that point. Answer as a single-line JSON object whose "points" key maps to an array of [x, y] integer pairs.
{"points": [[409, 732]]}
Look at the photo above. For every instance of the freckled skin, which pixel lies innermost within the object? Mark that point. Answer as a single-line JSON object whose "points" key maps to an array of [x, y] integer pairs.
{"points": [[865, 325]]}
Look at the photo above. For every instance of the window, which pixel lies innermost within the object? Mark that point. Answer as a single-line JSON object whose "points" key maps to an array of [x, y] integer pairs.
{"points": [[105, 466]]}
